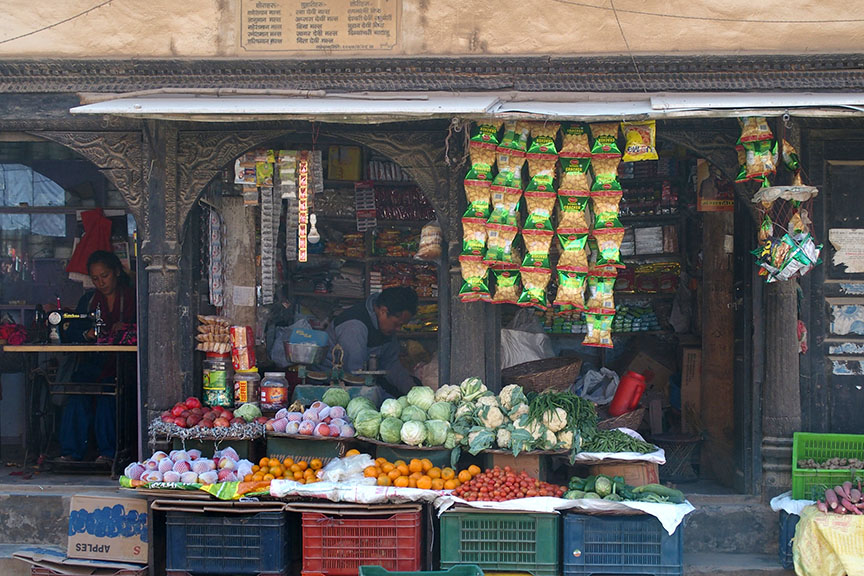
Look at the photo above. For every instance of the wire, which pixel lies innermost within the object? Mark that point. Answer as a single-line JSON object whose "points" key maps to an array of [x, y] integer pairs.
{"points": [[709, 18], [64, 21], [627, 44]]}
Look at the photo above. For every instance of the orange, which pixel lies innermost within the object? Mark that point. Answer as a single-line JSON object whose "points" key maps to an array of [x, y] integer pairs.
{"points": [[403, 470], [352, 452], [383, 480], [434, 473], [474, 470], [274, 462], [268, 477], [264, 462], [380, 460], [386, 467], [464, 476], [400, 463], [301, 481], [309, 473], [448, 473], [416, 475], [257, 477], [424, 483], [298, 475], [415, 465], [394, 474], [303, 465], [401, 482], [247, 478], [449, 485], [287, 463], [316, 464], [276, 471], [427, 464], [295, 468], [412, 482], [457, 482], [255, 468], [437, 484]]}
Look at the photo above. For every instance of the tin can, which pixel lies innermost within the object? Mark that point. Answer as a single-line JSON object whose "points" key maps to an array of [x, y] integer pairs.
{"points": [[246, 387], [217, 380]]}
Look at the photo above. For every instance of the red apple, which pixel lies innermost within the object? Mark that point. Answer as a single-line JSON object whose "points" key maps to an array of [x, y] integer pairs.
{"points": [[221, 423], [198, 411], [212, 415], [193, 402], [185, 413], [180, 421], [177, 410], [238, 421], [191, 421], [205, 423], [262, 420], [227, 414]]}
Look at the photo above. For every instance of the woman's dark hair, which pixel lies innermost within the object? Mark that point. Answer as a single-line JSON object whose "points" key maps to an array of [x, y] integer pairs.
{"points": [[112, 262], [398, 299]]}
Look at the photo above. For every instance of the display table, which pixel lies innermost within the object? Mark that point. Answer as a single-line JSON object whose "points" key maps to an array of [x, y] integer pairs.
{"points": [[828, 544], [115, 389]]}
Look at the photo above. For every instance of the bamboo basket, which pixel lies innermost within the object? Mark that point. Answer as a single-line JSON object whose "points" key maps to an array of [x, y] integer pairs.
{"points": [[556, 374], [630, 420]]}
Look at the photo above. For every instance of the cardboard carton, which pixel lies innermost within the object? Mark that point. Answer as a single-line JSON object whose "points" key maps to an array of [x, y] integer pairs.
{"points": [[656, 374], [108, 528]]}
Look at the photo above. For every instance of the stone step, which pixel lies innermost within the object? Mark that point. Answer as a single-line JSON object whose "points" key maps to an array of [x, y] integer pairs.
{"points": [[725, 564], [731, 524]]}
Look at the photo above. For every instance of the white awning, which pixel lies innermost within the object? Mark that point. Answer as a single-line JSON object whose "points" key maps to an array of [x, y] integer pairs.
{"points": [[369, 107]]}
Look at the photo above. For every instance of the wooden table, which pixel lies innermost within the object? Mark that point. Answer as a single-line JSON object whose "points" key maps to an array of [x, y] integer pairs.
{"points": [[118, 392]]}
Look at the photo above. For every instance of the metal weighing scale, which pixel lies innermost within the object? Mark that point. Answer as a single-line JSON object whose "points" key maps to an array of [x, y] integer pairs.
{"points": [[337, 373]]}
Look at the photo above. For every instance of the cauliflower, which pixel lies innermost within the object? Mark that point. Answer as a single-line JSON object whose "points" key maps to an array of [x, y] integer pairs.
{"points": [[511, 395], [463, 410], [548, 440], [448, 393], [565, 439], [518, 411], [555, 420], [490, 416], [480, 439], [489, 400], [502, 438]]}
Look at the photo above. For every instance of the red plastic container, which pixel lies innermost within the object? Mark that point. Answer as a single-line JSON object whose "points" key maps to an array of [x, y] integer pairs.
{"points": [[629, 392], [336, 545]]}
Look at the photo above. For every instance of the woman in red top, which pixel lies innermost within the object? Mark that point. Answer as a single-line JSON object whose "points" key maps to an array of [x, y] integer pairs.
{"points": [[115, 298]]}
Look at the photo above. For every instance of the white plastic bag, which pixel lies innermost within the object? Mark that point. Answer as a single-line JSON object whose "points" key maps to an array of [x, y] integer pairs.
{"points": [[524, 340], [427, 372], [346, 469], [598, 386]]}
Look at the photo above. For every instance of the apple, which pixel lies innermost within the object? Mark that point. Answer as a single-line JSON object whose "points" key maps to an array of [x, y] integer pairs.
{"points": [[177, 410], [322, 429], [269, 426], [227, 463], [261, 420], [221, 422], [237, 421], [159, 455], [180, 421], [227, 414], [205, 423], [193, 402], [226, 476], [198, 411], [211, 416], [185, 413], [191, 421]]}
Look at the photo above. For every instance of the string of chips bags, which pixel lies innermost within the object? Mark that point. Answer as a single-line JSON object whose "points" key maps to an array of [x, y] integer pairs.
{"points": [[571, 290], [475, 272], [501, 248], [600, 307], [535, 282], [508, 286]]}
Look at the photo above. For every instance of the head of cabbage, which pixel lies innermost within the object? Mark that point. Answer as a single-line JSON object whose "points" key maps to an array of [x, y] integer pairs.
{"points": [[390, 430], [357, 404], [403, 401], [367, 422], [440, 411], [336, 396], [391, 407], [413, 433], [421, 396], [436, 432], [413, 413]]}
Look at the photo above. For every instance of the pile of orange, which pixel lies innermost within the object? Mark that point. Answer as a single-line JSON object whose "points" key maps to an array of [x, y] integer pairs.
{"points": [[287, 469], [418, 473]]}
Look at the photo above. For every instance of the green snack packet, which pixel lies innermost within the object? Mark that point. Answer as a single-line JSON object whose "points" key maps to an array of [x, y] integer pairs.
{"points": [[486, 132], [575, 174], [571, 211], [571, 290], [572, 240], [605, 136], [499, 244], [574, 141], [515, 138], [473, 236], [609, 246], [543, 135], [790, 156], [480, 171], [534, 284], [507, 286], [508, 179], [599, 332], [606, 204], [505, 206], [601, 299], [606, 182], [478, 209], [474, 275]]}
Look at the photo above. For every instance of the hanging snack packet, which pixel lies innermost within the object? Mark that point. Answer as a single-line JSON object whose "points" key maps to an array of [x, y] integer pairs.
{"points": [[515, 138], [473, 237], [601, 283], [609, 246], [572, 213], [571, 290], [575, 175], [542, 169], [509, 169], [537, 246], [486, 132], [543, 137], [474, 275], [742, 164], [264, 174], [573, 256], [761, 158], [574, 141], [540, 206], [605, 135], [505, 206], [507, 286], [766, 229], [605, 205], [499, 245], [790, 156], [755, 129], [534, 284], [599, 330], [478, 192], [640, 141], [482, 161], [605, 173]]}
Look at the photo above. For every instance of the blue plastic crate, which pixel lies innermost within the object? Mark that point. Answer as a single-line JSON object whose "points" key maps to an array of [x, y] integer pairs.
{"points": [[227, 543], [621, 545], [788, 522]]}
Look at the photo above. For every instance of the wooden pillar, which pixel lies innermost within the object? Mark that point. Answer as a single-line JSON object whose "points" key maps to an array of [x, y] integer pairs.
{"points": [[718, 357]]}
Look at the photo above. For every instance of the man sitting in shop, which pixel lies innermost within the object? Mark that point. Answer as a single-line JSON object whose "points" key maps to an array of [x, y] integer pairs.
{"points": [[369, 329]]}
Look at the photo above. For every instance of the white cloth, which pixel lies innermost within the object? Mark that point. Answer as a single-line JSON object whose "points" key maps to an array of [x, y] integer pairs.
{"points": [[657, 457], [787, 504]]}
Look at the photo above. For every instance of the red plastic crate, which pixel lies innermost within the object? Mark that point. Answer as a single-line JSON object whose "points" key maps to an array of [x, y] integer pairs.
{"points": [[336, 545]]}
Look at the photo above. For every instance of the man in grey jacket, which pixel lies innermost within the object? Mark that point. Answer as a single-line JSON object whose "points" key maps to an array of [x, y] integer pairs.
{"points": [[370, 328]]}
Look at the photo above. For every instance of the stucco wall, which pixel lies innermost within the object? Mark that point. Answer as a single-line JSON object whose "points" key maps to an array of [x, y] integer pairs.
{"points": [[212, 28]]}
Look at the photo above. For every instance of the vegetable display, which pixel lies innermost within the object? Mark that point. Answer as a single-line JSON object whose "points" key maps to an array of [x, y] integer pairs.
{"points": [[502, 484], [615, 441], [843, 499], [416, 419], [319, 420], [832, 464], [616, 490]]}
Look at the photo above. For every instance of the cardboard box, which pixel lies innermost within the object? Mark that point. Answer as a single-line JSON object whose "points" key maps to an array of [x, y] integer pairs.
{"points": [[656, 374], [108, 528], [691, 389]]}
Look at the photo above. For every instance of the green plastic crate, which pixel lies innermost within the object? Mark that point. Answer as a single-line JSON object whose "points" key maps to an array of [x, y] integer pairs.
{"points": [[503, 542], [461, 570], [806, 483]]}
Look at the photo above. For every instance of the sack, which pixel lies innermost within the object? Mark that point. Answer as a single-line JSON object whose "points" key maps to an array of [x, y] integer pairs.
{"points": [[598, 387]]}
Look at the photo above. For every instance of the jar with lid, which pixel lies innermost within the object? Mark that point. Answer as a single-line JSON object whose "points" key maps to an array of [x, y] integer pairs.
{"points": [[246, 387], [217, 380], [274, 392]]}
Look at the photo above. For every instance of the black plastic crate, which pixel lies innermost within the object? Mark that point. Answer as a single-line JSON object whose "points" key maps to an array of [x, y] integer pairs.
{"points": [[621, 545], [228, 543], [788, 522]]}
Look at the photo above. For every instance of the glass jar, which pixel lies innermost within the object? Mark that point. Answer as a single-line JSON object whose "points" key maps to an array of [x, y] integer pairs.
{"points": [[274, 392], [217, 380], [246, 387]]}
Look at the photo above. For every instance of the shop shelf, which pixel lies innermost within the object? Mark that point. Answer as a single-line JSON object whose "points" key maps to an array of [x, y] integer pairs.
{"points": [[620, 545], [461, 570], [788, 522], [227, 543], [807, 483], [338, 545], [501, 542]]}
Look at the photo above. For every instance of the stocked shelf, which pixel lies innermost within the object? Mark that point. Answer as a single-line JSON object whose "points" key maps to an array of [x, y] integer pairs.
{"points": [[650, 218], [582, 334], [417, 335], [645, 296], [640, 258]]}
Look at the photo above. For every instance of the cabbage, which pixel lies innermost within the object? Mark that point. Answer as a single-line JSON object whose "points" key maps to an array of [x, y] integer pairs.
{"points": [[472, 388], [336, 396], [413, 433], [367, 422], [450, 442], [358, 404], [248, 412], [421, 396], [413, 413], [436, 432], [391, 407], [440, 411], [403, 401], [390, 430]]}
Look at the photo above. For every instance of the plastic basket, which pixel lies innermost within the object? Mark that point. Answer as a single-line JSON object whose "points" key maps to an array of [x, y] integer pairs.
{"points": [[461, 570], [339, 545], [231, 543], [503, 542], [621, 545], [788, 522], [821, 447], [42, 571]]}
